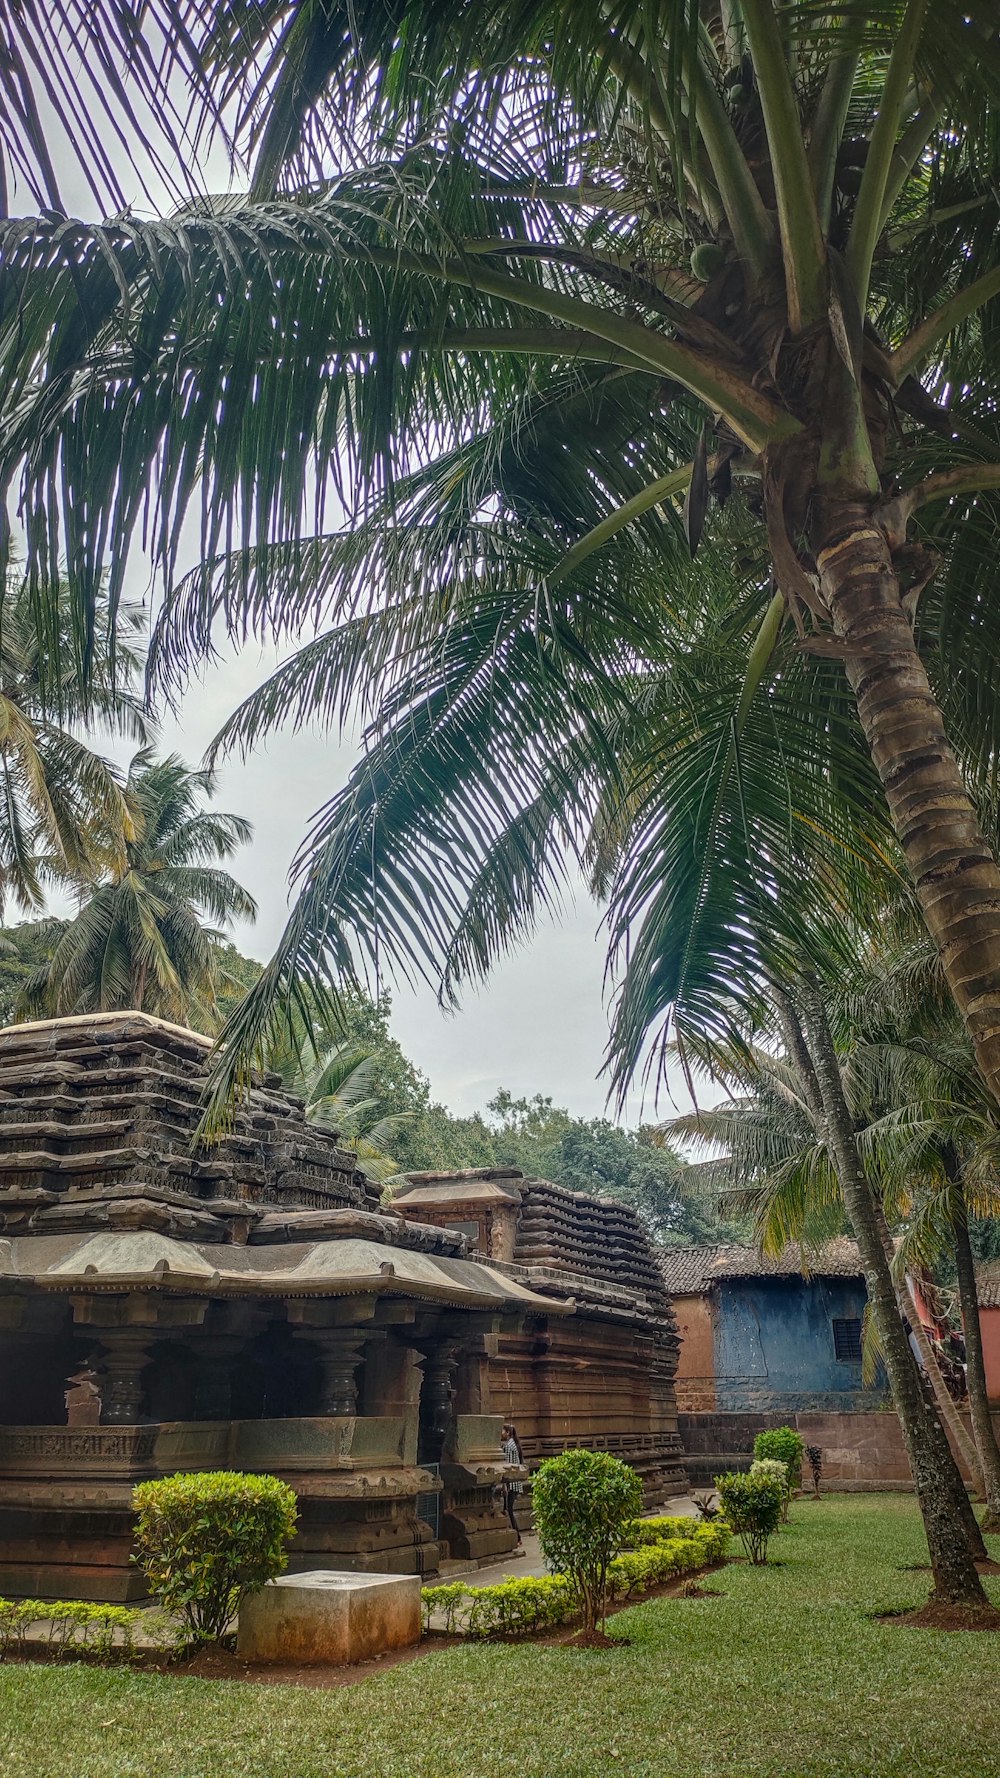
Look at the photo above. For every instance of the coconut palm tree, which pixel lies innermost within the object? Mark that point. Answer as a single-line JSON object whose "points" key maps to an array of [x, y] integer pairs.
{"points": [[90, 85], [60, 801], [778, 1167], [516, 288], [933, 1143], [337, 1087], [792, 1136], [139, 939]]}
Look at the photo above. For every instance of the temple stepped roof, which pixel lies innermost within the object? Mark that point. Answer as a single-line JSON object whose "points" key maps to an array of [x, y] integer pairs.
{"points": [[145, 1260], [99, 1101], [595, 1247]]}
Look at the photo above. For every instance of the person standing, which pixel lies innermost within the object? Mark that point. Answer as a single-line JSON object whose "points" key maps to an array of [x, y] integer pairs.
{"points": [[510, 1446]]}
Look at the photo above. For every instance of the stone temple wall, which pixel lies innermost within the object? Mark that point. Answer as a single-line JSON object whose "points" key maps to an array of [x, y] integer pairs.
{"points": [[166, 1304], [602, 1378]]}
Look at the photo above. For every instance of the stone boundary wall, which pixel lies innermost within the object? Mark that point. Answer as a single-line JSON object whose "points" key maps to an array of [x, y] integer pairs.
{"points": [[860, 1450]]}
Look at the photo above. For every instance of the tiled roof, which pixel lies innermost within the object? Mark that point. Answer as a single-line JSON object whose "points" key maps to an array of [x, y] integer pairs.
{"points": [[687, 1270], [690, 1271], [988, 1285]]}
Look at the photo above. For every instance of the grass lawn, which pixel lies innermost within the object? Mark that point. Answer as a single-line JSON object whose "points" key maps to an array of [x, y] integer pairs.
{"points": [[786, 1674]]}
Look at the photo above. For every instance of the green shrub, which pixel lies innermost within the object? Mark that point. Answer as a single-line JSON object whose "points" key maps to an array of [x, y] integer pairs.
{"points": [[784, 1445], [202, 1540], [521, 1606], [752, 1505], [69, 1626], [514, 1607], [585, 1503], [449, 1600], [774, 1467], [644, 1531]]}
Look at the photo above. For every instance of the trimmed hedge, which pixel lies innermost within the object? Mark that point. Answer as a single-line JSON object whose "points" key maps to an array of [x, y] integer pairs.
{"points": [[659, 1530], [73, 1627], [523, 1605]]}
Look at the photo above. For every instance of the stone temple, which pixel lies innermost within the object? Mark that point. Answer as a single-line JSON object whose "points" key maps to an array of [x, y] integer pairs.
{"points": [[252, 1305]]}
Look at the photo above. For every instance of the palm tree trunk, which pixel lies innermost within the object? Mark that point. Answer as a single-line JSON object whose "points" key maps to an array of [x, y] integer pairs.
{"points": [[940, 1491], [953, 867], [979, 1401]]}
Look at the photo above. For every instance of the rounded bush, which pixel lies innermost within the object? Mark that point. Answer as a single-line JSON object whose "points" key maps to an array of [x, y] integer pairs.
{"points": [[752, 1506], [782, 1444], [203, 1540], [585, 1503]]}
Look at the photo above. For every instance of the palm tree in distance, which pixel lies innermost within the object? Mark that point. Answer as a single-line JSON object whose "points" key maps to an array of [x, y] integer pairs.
{"points": [[139, 939], [339, 1087], [796, 1132], [778, 1168], [61, 802]]}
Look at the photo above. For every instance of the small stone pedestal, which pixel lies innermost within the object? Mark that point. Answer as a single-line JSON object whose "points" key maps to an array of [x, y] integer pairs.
{"points": [[329, 1618]]}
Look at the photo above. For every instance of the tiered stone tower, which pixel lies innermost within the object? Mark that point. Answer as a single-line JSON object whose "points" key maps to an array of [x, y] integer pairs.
{"points": [[251, 1305], [603, 1378]]}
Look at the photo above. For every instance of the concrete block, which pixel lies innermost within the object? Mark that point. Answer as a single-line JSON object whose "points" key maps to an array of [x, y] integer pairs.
{"points": [[329, 1617]]}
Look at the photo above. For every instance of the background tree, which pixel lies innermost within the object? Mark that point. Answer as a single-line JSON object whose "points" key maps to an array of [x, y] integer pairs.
{"points": [[139, 939], [62, 805], [340, 1092]]}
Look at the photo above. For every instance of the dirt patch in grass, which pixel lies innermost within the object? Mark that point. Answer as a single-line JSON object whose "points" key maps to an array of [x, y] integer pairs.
{"points": [[936, 1615], [225, 1663]]}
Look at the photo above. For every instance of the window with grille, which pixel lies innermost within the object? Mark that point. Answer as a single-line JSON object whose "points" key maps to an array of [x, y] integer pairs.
{"points": [[847, 1341]]}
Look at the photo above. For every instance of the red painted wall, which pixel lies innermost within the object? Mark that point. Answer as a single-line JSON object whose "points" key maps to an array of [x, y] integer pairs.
{"points": [[695, 1380], [989, 1320]]}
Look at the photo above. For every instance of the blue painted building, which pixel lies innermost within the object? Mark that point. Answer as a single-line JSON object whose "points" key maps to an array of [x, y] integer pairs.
{"points": [[778, 1335]]}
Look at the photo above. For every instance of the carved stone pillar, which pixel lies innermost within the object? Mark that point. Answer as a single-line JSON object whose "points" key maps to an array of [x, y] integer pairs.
{"points": [[340, 1350], [437, 1397], [126, 1357]]}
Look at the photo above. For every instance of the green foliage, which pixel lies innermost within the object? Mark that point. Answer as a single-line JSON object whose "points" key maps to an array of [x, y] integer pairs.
{"points": [[543, 1139], [664, 1527], [515, 1607], [62, 810], [753, 1507], [203, 1540], [786, 1446], [24, 949], [69, 1628], [520, 1606], [585, 1503], [141, 937], [778, 1471], [794, 1676]]}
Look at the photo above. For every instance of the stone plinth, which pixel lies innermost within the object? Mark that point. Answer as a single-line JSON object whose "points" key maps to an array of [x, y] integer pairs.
{"points": [[329, 1618]]}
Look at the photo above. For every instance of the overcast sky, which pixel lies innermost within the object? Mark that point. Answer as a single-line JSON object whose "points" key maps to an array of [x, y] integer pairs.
{"points": [[539, 1025]]}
